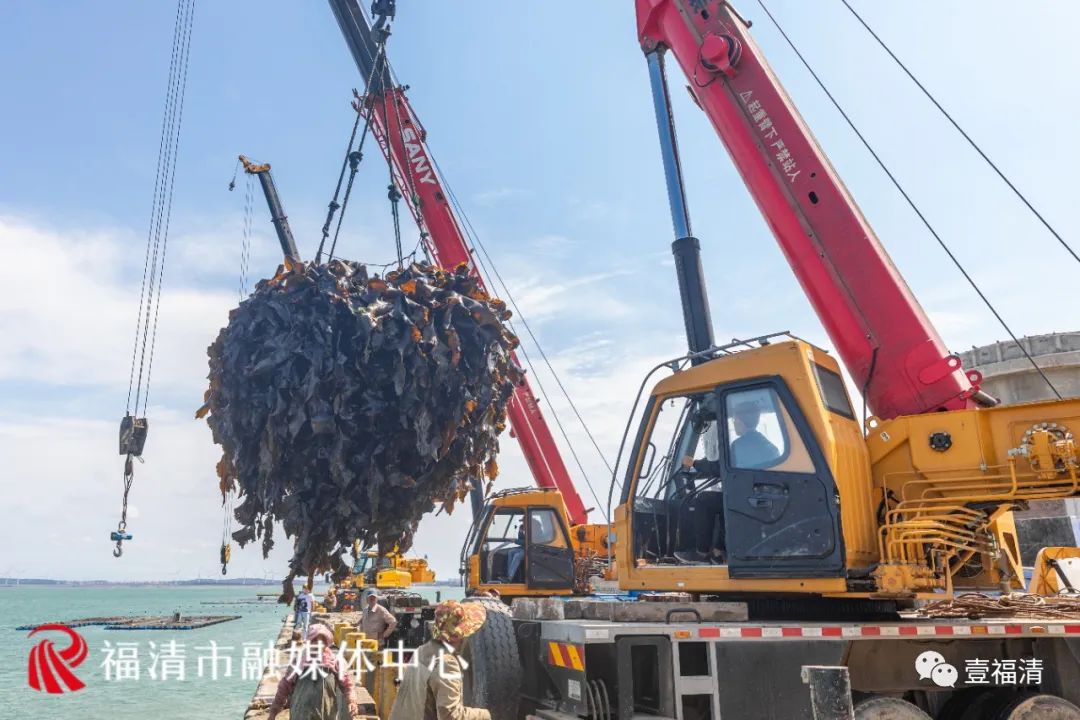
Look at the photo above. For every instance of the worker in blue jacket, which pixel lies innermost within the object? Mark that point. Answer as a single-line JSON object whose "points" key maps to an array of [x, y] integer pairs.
{"points": [[302, 608]]}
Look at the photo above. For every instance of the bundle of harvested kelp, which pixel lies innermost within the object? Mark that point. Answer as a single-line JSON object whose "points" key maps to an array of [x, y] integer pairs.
{"points": [[348, 405]]}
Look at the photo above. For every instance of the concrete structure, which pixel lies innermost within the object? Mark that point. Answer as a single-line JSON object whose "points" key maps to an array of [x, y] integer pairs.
{"points": [[1009, 376]]}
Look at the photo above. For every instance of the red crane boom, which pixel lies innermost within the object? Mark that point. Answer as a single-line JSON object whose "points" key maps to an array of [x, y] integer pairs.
{"points": [[402, 140], [881, 333]]}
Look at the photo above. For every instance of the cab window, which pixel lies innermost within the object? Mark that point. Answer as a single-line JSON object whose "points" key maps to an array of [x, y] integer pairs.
{"points": [[685, 427], [503, 549], [761, 434], [505, 526], [544, 528], [833, 392]]}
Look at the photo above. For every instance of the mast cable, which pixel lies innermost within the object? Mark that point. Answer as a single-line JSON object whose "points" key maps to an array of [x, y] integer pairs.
{"points": [[910, 201], [974, 145], [543, 392], [494, 273], [164, 153], [333, 207], [169, 202], [510, 298], [133, 429]]}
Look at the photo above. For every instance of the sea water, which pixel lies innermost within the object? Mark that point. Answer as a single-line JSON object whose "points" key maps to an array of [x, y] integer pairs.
{"points": [[110, 697]]}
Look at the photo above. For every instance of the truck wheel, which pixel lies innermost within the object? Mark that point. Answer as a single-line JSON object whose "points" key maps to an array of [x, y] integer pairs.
{"points": [[1033, 706], [887, 708], [493, 678], [973, 704]]}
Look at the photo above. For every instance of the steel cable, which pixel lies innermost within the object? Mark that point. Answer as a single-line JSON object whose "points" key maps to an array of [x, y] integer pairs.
{"points": [[975, 146], [333, 207], [149, 271], [182, 88], [543, 392], [910, 201]]}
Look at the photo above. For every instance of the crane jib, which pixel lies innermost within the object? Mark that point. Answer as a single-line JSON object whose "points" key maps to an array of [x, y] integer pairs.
{"points": [[401, 139]]}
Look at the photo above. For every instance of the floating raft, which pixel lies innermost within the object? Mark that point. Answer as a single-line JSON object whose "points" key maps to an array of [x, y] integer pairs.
{"points": [[154, 622]]}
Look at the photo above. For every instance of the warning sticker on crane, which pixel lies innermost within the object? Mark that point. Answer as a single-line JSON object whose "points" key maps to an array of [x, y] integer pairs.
{"points": [[566, 655], [779, 149]]}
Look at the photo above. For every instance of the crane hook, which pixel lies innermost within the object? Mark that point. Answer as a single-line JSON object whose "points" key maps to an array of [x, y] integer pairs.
{"points": [[120, 535]]}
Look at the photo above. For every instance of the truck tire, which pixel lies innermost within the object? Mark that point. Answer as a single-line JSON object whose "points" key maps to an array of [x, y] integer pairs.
{"points": [[493, 678], [973, 703], [1036, 706], [887, 708]]}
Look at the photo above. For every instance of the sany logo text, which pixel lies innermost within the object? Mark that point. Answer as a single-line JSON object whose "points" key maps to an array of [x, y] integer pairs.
{"points": [[420, 163], [50, 670]]}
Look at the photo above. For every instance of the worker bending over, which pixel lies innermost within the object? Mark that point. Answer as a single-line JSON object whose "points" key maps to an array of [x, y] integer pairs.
{"points": [[431, 687]]}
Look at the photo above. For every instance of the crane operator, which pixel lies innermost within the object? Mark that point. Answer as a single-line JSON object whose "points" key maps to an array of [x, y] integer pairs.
{"points": [[749, 449]]}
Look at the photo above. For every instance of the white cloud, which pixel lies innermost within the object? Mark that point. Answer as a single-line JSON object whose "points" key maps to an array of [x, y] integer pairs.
{"points": [[70, 307], [582, 296], [495, 196], [70, 329], [552, 246], [64, 480]]}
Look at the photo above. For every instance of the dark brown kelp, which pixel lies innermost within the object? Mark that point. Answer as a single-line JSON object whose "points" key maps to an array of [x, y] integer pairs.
{"points": [[347, 406]]}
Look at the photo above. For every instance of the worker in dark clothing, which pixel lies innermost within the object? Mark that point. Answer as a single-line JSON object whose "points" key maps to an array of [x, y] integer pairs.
{"points": [[750, 449], [708, 512]]}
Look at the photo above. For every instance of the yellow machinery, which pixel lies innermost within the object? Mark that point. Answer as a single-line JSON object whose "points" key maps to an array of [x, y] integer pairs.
{"points": [[920, 506], [750, 472], [389, 571], [1056, 572], [523, 544]]}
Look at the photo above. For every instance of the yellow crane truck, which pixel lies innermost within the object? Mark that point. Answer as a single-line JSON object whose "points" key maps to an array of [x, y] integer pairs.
{"points": [[766, 533]]}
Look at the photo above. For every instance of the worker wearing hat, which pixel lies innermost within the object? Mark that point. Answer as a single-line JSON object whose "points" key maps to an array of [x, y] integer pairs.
{"points": [[377, 623], [325, 692], [431, 688]]}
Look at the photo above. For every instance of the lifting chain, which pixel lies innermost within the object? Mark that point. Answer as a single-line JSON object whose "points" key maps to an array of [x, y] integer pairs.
{"points": [[132, 441], [121, 534], [394, 197], [226, 529], [352, 159]]}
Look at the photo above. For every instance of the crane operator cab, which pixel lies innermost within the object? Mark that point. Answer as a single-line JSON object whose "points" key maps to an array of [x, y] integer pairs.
{"points": [[733, 484], [520, 545]]}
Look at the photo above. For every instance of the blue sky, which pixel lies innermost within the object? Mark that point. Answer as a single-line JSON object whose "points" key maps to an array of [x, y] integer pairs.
{"points": [[540, 117]]}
